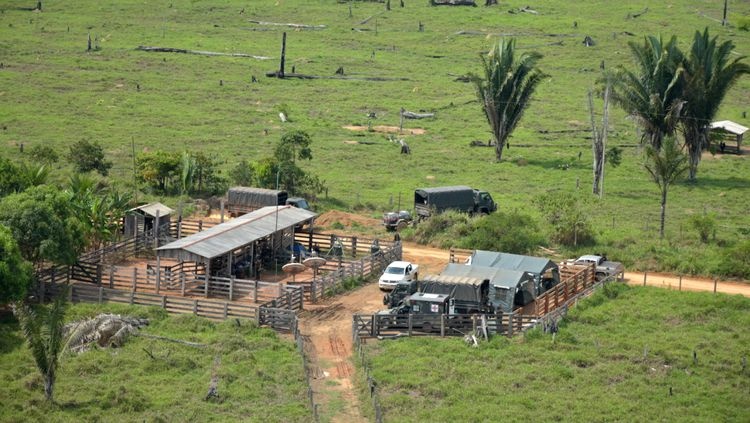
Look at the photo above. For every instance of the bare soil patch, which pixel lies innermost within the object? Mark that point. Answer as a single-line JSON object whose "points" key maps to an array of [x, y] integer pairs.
{"points": [[332, 217], [387, 129]]}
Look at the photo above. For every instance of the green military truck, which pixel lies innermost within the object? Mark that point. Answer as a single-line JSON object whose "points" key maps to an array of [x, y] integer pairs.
{"points": [[460, 198]]}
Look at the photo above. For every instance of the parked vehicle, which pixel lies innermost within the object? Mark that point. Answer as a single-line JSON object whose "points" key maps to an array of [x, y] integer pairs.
{"points": [[460, 198], [397, 220], [241, 200], [396, 272], [467, 294], [604, 267], [402, 290]]}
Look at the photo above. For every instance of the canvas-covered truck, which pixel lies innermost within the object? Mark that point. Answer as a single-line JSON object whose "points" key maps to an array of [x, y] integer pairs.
{"points": [[241, 200], [402, 290], [460, 198], [467, 294]]}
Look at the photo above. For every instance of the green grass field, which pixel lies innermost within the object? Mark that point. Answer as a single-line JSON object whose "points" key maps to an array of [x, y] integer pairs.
{"points": [[615, 358], [260, 375], [54, 92]]}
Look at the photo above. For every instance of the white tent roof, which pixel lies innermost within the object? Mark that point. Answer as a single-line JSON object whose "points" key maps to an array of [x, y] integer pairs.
{"points": [[729, 126]]}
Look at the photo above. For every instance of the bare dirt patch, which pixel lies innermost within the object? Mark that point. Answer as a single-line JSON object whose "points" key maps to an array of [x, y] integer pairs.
{"points": [[333, 217], [386, 129]]}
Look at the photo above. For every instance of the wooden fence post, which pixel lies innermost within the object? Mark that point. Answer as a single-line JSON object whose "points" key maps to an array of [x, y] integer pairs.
{"points": [[313, 287], [205, 286], [135, 279], [101, 294], [374, 329], [409, 332], [716, 281], [182, 283], [195, 307], [510, 324], [255, 291], [111, 276], [354, 246], [164, 302], [226, 309], [473, 323], [679, 287], [99, 274], [644, 278], [231, 289], [442, 325]]}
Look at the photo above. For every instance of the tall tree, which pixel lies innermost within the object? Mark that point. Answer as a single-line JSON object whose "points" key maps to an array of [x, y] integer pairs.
{"points": [[665, 166], [15, 272], [99, 208], [710, 73], [599, 141], [44, 224], [505, 88], [293, 146], [652, 94], [43, 329], [87, 156]]}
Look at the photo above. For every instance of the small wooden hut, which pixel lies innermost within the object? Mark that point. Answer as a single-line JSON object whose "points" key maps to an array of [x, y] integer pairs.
{"points": [[731, 134], [142, 219]]}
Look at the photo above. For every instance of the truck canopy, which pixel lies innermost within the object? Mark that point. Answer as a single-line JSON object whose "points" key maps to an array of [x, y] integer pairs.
{"points": [[255, 197], [442, 198], [507, 287], [546, 272], [460, 288]]}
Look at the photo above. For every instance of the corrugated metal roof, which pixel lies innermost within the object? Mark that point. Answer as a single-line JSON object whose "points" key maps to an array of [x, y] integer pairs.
{"points": [[729, 126], [151, 209], [498, 277], [511, 261], [238, 232]]}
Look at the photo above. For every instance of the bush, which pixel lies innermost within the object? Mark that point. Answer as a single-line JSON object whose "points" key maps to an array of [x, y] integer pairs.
{"points": [[736, 261], [510, 232], [568, 213], [705, 225], [743, 23]]}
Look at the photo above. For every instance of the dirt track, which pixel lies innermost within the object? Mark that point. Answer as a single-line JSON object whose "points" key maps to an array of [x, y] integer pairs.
{"points": [[329, 326]]}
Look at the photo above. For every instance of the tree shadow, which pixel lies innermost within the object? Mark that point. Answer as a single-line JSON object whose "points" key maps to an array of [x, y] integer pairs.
{"points": [[559, 163], [706, 182]]}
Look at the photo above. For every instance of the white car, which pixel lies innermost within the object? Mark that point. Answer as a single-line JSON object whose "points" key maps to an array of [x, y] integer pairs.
{"points": [[396, 272]]}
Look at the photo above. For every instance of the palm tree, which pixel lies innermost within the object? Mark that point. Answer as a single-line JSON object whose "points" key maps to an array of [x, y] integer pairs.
{"points": [[665, 166], [505, 89], [651, 94], [710, 73], [43, 329]]}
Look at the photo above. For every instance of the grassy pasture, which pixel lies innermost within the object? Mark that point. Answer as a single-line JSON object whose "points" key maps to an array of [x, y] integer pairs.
{"points": [[615, 358], [54, 92], [260, 375]]}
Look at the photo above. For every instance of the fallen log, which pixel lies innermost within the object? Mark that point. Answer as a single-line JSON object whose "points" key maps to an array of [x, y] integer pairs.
{"points": [[471, 3], [411, 115], [275, 74], [213, 387], [202, 53], [370, 17], [290, 25], [556, 43]]}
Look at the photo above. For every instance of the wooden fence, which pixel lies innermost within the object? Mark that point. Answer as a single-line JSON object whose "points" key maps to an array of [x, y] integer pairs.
{"points": [[574, 279], [393, 325]]}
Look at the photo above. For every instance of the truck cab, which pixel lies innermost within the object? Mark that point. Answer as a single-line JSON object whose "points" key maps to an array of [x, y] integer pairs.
{"points": [[298, 202], [402, 290], [483, 202]]}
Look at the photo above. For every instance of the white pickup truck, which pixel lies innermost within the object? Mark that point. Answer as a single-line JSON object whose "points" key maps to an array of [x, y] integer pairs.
{"points": [[396, 272], [604, 267]]}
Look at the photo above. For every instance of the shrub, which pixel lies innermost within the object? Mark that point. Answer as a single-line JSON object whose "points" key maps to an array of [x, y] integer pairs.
{"points": [[705, 225], [568, 213], [736, 261], [510, 232]]}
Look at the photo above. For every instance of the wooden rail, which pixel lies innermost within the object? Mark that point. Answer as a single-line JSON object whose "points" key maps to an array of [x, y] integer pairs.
{"points": [[393, 325], [574, 279]]}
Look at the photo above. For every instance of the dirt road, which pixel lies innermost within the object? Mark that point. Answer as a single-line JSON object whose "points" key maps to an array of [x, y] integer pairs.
{"points": [[328, 328]]}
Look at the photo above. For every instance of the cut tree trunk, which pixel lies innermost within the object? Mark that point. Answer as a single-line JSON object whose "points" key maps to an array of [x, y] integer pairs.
{"points": [[471, 3], [663, 212]]}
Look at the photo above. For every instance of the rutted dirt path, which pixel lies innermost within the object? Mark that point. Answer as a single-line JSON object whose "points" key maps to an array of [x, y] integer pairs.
{"points": [[328, 329]]}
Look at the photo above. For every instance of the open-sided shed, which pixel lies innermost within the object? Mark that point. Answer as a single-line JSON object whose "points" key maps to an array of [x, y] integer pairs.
{"points": [[546, 272], [731, 132], [240, 242], [143, 218], [507, 288]]}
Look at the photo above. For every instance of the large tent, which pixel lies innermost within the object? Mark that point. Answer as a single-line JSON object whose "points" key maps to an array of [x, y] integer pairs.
{"points": [[507, 287], [545, 271], [269, 230]]}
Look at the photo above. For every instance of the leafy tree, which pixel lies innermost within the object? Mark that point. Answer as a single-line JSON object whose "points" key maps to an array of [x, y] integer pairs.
{"points": [[710, 73], [44, 154], [99, 209], [243, 174], [15, 272], [652, 94], [43, 329], [506, 88], [44, 225], [568, 214], [510, 232], [705, 225], [206, 177], [11, 178], [159, 169], [665, 166], [292, 146], [87, 156]]}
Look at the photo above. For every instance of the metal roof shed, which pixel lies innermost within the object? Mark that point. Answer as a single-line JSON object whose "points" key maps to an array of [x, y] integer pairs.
{"points": [[143, 218], [235, 234], [730, 130]]}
